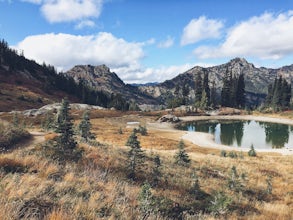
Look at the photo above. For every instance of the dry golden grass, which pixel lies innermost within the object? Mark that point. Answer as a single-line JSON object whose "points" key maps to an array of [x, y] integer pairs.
{"points": [[97, 188]]}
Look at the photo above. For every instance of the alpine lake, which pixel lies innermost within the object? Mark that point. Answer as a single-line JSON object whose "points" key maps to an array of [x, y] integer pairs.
{"points": [[235, 133]]}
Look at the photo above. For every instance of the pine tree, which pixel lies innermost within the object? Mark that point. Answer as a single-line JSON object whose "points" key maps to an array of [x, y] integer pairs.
{"points": [[15, 120], [226, 90], [181, 157], [206, 87], [64, 126], [198, 91], [185, 93], [85, 127], [269, 97], [156, 172], [240, 93], [252, 152], [279, 94], [146, 200], [213, 95], [136, 156]]}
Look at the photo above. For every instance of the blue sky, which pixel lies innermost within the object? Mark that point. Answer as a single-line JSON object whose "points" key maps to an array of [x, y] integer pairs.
{"points": [[149, 40]]}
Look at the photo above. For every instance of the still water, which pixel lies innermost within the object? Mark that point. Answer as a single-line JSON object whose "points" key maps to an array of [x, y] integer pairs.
{"points": [[263, 135]]}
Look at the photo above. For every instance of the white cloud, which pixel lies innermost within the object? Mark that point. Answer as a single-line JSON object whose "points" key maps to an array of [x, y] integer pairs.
{"points": [[33, 1], [200, 29], [138, 74], [68, 10], [167, 43], [85, 23], [65, 51], [268, 36]]}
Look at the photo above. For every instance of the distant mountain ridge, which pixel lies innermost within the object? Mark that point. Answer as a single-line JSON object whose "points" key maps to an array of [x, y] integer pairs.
{"points": [[25, 84], [100, 78], [256, 79]]}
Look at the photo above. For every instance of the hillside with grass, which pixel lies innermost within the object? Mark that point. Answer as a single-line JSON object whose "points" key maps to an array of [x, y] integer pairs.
{"points": [[107, 164]]}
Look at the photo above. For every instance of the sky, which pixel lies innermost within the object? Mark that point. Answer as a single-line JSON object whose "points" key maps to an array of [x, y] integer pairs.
{"points": [[149, 40]]}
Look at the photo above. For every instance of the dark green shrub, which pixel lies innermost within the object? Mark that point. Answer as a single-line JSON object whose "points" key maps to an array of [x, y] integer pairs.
{"points": [[223, 153], [252, 152]]}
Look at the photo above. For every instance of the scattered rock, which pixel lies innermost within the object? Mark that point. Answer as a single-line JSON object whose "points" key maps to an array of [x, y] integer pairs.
{"points": [[169, 118], [54, 107]]}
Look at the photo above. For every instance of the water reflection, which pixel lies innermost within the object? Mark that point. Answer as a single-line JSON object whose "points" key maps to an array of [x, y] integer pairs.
{"points": [[245, 133]]}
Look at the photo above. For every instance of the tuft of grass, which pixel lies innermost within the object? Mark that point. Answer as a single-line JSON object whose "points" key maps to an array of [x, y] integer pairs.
{"points": [[10, 136]]}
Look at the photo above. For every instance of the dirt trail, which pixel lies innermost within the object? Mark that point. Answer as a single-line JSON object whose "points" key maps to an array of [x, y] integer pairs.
{"points": [[37, 138]]}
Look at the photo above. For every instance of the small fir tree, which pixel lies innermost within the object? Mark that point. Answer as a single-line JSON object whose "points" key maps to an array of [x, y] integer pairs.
{"points": [[156, 172], [195, 187], [146, 200], [252, 152], [15, 120], [64, 126], [269, 189], [136, 156], [85, 127], [204, 100], [181, 157]]}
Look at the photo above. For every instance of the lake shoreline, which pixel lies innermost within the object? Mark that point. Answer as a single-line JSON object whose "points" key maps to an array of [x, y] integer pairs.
{"points": [[207, 140]]}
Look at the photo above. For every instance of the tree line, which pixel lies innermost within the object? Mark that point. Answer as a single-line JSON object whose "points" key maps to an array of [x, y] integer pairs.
{"points": [[206, 95], [58, 81], [279, 95]]}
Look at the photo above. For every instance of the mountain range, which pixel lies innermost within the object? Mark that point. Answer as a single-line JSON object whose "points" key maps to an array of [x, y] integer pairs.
{"points": [[26, 84]]}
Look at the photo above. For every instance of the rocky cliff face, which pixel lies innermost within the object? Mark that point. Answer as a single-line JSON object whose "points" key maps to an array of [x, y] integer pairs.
{"points": [[102, 79], [256, 79]]}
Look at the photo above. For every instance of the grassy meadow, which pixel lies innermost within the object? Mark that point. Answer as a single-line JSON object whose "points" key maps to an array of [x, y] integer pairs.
{"points": [[213, 186]]}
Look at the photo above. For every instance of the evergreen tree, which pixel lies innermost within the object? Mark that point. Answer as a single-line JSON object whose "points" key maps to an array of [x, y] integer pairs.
{"points": [[15, 120], [181, 157], [156, 172], [279, 94], [226, 90], [269, 96], [185, 93], [206, 87], [85, 127], [198, 90], [64, 126], [240, 92], [252, 152], [136, 156], [213, 95], [146, 200]]}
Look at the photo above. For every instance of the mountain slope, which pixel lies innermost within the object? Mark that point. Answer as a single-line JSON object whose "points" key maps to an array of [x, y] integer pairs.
{"points": [[100, 78], [256, 79], [25, 84]]}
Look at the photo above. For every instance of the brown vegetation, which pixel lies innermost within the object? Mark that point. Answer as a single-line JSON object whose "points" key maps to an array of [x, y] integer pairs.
{"points": [[37, 187]]}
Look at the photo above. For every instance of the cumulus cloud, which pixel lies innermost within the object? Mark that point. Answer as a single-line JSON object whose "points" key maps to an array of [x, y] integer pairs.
{"points": [[167, 43], [268, 36], [68, 10], [85, 23], [200, 29], [138, 74], [65, 50]]}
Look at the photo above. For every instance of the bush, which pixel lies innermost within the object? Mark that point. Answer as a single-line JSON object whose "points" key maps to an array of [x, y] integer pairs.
{"points": [[252, 152], [9, 136], [223, 153], [219, 205], [232, 154]]}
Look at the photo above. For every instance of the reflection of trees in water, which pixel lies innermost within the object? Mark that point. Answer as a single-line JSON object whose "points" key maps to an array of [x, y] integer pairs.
{"points": [[231, 132], [207, 127], [277, 134], [238, 132]]}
